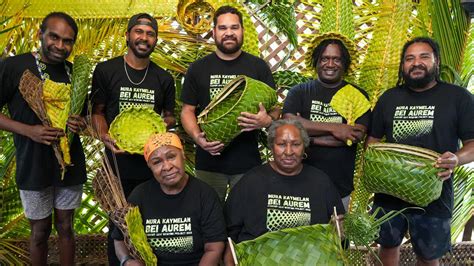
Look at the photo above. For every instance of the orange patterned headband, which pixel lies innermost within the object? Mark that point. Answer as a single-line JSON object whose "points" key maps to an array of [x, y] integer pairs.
{"points": [[156, 141]]}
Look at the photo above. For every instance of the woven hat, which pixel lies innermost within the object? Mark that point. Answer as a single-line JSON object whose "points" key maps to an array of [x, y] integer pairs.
{"points": [[348, 43]]}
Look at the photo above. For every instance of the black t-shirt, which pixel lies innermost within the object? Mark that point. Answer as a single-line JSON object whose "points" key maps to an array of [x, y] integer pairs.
{"points": [[435, 119], [178, 226], [36, 165], [264, 200], [204, 79], [311, 100], [111, 86]]}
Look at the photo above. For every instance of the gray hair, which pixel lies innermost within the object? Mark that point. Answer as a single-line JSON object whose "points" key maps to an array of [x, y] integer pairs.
{"points": [[283, 122]]}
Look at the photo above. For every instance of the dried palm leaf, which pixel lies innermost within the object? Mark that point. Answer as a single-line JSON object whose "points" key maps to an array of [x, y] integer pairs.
{"points": [[31, 88]]}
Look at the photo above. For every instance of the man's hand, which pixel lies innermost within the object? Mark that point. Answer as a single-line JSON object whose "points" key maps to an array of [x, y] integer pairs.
{"points": [[76, 123], [213, 147], [133, 262], [344, 132], [110, 143], [448, 161], [251, 121], [170, 121], [44, 134]]}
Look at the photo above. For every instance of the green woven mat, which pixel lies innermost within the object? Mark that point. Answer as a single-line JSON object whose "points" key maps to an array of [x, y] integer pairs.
{"points": [[305, 245]]}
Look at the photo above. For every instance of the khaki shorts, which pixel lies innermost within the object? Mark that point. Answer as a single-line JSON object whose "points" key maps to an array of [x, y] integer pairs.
{"points": [[39, 204]]}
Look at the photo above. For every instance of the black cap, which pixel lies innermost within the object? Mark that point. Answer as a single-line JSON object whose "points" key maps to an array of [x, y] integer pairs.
{"points": [[135, 20]]}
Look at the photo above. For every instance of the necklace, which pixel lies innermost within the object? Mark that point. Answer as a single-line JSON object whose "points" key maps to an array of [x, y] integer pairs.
{"points": [[126, 72], [42, 66]]}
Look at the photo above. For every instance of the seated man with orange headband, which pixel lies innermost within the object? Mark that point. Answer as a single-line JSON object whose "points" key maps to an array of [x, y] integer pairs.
{"points": [[182, 215]]}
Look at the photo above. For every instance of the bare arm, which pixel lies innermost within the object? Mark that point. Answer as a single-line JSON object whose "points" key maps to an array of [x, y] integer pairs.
{"points": [[121, 252], [212, 253], [189, 122], [38, 133], [449, 160], [330, 134], [100, 126], [170, 120], [228, 259]]}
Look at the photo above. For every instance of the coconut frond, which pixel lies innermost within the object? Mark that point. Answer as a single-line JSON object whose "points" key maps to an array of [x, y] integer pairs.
{"points": [[12, 254], [337, 16], [450, 25], [463, 187], [468, 63], [280, 15], [379, 70]]}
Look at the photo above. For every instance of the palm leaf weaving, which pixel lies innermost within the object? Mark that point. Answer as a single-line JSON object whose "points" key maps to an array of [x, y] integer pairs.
{"points": [[132, 127], [316, 244], [31, 88], [403, 171], [243, 94], [57, 100], [351, 104], [81, 76]]}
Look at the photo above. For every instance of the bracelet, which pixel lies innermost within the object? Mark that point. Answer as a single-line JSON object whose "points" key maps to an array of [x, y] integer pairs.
{"points": [[125, 259]]}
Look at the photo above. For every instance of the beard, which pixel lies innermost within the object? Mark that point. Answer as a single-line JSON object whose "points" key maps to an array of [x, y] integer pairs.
{"points": [[139, 53], [238, 44], [420, 82]]}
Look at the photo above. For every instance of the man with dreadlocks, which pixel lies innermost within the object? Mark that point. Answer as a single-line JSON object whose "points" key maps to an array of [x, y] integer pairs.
{"points": [[423, 111], [310, 104]]}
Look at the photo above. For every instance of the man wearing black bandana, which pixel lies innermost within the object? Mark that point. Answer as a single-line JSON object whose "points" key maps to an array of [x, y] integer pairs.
{"points": [[126, 81], [38, 173]]}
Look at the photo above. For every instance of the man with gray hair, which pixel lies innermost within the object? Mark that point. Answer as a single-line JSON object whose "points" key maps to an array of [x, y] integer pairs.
{"points": [[282, 193]]}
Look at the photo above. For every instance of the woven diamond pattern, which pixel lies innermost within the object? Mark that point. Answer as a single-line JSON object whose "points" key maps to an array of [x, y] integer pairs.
{"points": [[132, 128], [402, 171], [305, 245], [243, 94]]}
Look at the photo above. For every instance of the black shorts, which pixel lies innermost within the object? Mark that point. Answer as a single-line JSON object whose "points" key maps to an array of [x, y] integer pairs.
{"points": [[430, 236]]}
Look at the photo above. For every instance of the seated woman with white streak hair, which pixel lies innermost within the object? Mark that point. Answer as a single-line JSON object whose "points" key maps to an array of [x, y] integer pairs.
{"points": [[182, 215], [282, 193]]}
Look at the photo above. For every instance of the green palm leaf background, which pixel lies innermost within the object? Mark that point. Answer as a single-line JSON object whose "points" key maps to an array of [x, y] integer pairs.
{"points": [[378, 28]]}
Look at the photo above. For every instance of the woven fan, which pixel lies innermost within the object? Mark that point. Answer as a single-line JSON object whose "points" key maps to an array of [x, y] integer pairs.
{"points": [[81, 76], [132, 128], [316, 244], [243, 94], [31, 88], [403, 171], [351, 104]]}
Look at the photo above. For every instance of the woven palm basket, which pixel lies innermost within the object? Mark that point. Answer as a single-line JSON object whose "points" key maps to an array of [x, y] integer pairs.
{"points": [[243, 94], [403, 171], [132, 128], [316, 244]]}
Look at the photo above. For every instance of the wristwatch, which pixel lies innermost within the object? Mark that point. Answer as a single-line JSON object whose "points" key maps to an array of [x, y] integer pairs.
{"points": [[125, 259]]}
